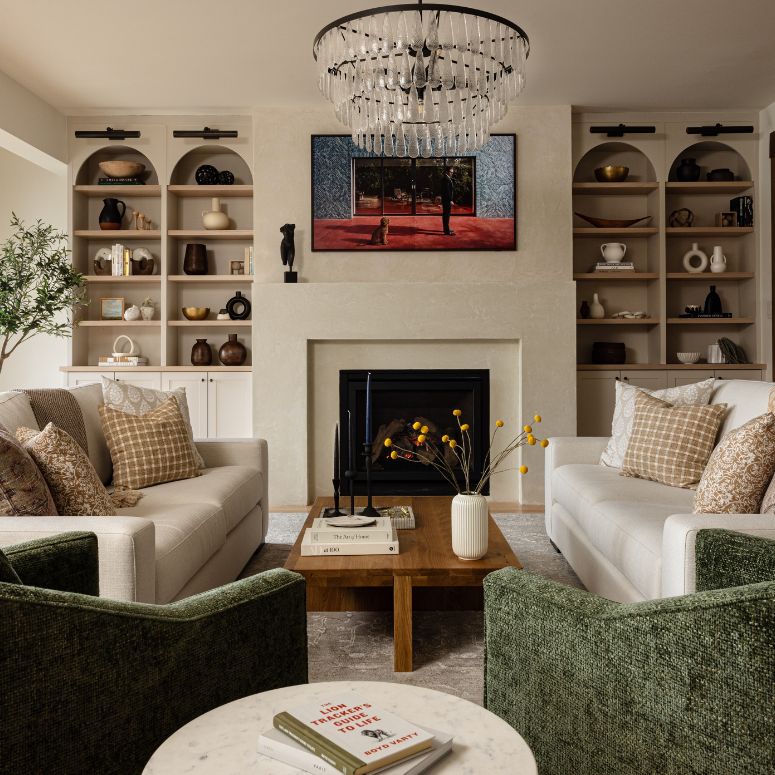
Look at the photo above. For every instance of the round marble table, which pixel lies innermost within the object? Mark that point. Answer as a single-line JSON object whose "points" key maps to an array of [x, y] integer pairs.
{"points": [[223, 741]]}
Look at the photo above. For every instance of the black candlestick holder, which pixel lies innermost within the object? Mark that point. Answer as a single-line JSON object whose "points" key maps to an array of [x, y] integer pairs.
{"points": [[336, 511], [350, 475], [368, 510]]}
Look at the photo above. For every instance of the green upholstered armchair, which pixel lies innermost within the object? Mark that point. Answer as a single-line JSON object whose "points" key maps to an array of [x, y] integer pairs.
{"points": [[678, 686], [90, 685]]}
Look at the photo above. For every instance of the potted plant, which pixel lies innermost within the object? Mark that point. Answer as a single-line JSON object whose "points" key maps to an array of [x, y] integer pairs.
{"points": [[469, 506], [39, 288], [147, 308]]}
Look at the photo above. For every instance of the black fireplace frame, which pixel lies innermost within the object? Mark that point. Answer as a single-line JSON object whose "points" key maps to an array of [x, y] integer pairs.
{"points": [[425, 480]]}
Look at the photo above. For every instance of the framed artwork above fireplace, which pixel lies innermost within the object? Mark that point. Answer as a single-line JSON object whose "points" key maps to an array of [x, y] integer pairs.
{"points": [[365, 202]]}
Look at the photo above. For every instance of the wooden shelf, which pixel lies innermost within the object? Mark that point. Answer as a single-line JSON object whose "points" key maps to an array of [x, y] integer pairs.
{"points": [[235, 234], [207, 191], [214, 323], [615, 189], [211, 278], [710, 321], [118, 234], [617, 321], [631, 231], [608, 276], [116, 323], [708, 231], [130, 369], [138, 278], [705, 276], [118, 190], [709, 187], [668, 366]]}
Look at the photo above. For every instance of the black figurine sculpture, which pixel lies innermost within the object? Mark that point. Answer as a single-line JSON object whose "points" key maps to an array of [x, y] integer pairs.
{"points": [[288, 251]]}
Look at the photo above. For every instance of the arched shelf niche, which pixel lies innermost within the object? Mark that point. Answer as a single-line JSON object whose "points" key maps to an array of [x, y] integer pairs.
{"points": [[89, 172], [219, 157], [617, 153], [712, 155]]}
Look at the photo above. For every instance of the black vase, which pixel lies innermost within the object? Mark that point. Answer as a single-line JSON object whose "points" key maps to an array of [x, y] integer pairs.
{"points": [[201, 354], [687, 171], [238, 307], [584, 310], [195, 261], [712, 303], [112, 214]]}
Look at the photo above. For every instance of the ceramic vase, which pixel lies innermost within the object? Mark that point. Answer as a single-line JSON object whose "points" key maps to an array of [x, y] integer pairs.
{"points": [[695, 260], [713, 304], [215, 218], [584, 309], [469, 526], [195, 261], [112, 214], [232, 352], [596, 309], [132, 313], [718, 261], [147, 311], [687, 171], [613, 252], [201, 354]]}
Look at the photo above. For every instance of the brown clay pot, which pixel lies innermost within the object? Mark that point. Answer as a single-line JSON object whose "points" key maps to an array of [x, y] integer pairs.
{"points": [[195, 260], [232, 353], [201, 354]]}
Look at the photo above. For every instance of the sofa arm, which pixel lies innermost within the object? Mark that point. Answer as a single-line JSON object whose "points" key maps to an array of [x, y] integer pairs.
{"points": [[679, 537], [239, 452], [126, 547]]}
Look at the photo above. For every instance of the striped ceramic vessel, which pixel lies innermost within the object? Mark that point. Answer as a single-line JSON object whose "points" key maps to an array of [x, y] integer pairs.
{"points": [[469, 526]]}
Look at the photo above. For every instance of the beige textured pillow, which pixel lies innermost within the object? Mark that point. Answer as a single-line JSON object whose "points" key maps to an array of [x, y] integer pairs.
{"points": [[139, 400], [74, 484], [148, 449], [23, 490], [739, 470], [671, 444], [696, 394]]}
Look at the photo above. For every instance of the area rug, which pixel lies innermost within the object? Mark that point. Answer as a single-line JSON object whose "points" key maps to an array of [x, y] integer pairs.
{"points": [[448, 647]]}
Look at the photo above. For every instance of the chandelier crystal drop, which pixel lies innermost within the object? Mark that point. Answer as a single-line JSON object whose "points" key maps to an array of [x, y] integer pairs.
{"points": [[421, 79]]}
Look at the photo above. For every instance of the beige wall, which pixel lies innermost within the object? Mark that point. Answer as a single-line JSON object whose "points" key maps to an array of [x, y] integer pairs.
{"points": [[32, 192], [766, 126]]}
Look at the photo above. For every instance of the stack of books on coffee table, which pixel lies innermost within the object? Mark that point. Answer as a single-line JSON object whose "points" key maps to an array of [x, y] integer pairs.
{"points": [[337, 537], [353, 737]]}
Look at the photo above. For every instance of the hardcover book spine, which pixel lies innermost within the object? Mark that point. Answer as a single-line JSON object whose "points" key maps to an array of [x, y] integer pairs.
{"points": [[353, 536], [327, 750], [310, 549]]}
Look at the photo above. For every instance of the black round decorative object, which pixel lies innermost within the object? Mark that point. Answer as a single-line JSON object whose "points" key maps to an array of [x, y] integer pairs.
{"points": [[687, 171], [238, 307], [226, 178], [206, 175], [721, 175]]}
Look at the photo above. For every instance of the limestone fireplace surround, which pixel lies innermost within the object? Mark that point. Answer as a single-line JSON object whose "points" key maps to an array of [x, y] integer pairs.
{"points": [[305, 333]]}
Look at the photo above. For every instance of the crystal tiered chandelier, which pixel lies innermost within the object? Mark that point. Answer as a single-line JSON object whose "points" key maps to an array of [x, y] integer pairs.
{"points": [[421, 79]]}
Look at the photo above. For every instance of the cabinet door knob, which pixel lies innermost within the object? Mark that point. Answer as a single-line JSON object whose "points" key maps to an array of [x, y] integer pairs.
{"points": [[203, 379], [211, 379], [626, 379]]}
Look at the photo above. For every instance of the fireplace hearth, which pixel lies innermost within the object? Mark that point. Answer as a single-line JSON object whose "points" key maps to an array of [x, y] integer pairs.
{"points": [[399, 399]]}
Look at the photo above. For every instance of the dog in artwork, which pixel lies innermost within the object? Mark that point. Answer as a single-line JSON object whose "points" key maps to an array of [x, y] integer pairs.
{"points": [[380, 235]]}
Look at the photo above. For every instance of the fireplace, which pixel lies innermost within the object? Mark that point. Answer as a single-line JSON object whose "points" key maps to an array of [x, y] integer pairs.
{"points": [[399, 399]]}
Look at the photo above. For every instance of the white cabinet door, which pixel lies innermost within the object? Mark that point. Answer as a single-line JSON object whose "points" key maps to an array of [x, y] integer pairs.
{"points": [[195, 385], [143, 379], [596, 394], [229, 405], [76, 378], [645, 378]]}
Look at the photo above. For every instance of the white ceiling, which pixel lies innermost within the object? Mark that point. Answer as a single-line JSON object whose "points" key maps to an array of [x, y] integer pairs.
{"points": [[197, 54]]}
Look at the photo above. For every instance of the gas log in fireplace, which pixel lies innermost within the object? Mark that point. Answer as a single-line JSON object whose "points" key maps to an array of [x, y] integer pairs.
{"points": [[399, 399]]}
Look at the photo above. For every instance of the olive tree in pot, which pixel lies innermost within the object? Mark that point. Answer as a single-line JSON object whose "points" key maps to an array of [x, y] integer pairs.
{"points": [[39, 288]]}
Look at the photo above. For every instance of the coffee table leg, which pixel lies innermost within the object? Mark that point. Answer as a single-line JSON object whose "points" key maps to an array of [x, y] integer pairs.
{"points": [[402, 624]]}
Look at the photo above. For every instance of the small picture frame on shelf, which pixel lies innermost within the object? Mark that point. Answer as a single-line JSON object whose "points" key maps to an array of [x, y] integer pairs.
{"points": [[726, 219], [237, 267], [111, 308]]}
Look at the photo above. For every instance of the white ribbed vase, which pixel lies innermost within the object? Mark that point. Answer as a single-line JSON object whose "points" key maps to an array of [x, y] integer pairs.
{"points": [[469, 526]]}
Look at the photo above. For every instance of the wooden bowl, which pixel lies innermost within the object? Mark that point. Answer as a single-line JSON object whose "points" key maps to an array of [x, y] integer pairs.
{"points": [[122, 169], [612, 173], [608, 223], [195, 313]]}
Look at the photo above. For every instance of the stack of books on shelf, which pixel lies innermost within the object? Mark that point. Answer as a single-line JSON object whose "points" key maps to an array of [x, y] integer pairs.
{"points": [[617, 266], [325, 538], [351, 737], [120, 182], [122, 360]]}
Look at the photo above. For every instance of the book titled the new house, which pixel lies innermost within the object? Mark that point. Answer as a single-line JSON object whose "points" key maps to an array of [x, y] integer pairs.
{"points": [[355, 737]]}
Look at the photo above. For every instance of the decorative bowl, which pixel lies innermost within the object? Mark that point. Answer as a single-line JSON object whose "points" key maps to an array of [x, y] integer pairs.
{"points": [[612, 173], [688, 357], [122, 169], [196, 313], [608, 223]]}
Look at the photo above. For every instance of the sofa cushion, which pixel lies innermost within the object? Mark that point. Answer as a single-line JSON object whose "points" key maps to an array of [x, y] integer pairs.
{"points": [[746, 399], [16, 412], [23, 490], [89, 398], [234, 489], [7, 574]]}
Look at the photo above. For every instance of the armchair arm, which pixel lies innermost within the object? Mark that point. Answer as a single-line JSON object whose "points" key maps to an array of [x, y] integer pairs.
{"points": [[595, 686], [679, 538], [126, 545], [729, 559], [66, 562], [103, 683], [239, 452]]}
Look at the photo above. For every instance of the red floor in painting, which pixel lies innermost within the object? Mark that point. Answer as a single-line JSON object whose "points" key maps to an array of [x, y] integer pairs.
{"points": [[416, 233]]}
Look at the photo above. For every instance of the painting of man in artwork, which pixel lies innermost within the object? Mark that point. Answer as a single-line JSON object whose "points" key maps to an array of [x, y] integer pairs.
{"points": [[463, 202]]}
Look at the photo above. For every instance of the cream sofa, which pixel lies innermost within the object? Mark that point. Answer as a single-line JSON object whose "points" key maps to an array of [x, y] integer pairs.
{"points": [[630, 539], [182, 537]]}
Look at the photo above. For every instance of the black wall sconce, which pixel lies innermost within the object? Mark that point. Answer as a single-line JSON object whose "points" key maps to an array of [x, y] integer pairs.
{"points": [[718, 129], [106, 134], [620, 130], [206, 133]]}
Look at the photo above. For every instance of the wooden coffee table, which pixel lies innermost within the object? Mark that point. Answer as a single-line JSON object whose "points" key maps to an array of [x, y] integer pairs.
{"points": [[425, 575]]}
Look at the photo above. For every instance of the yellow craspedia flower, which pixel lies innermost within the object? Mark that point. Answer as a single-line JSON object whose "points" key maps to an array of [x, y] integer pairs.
{"points": [[388, 442], [465, 426], [393, 455], [527, 429], [499, 423], [421, 438], [523, 469], [424, 429], [544, 443], [537, 418], [531, 440], [445, 438], [457, 412], [416, 425], [452, 443]]}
